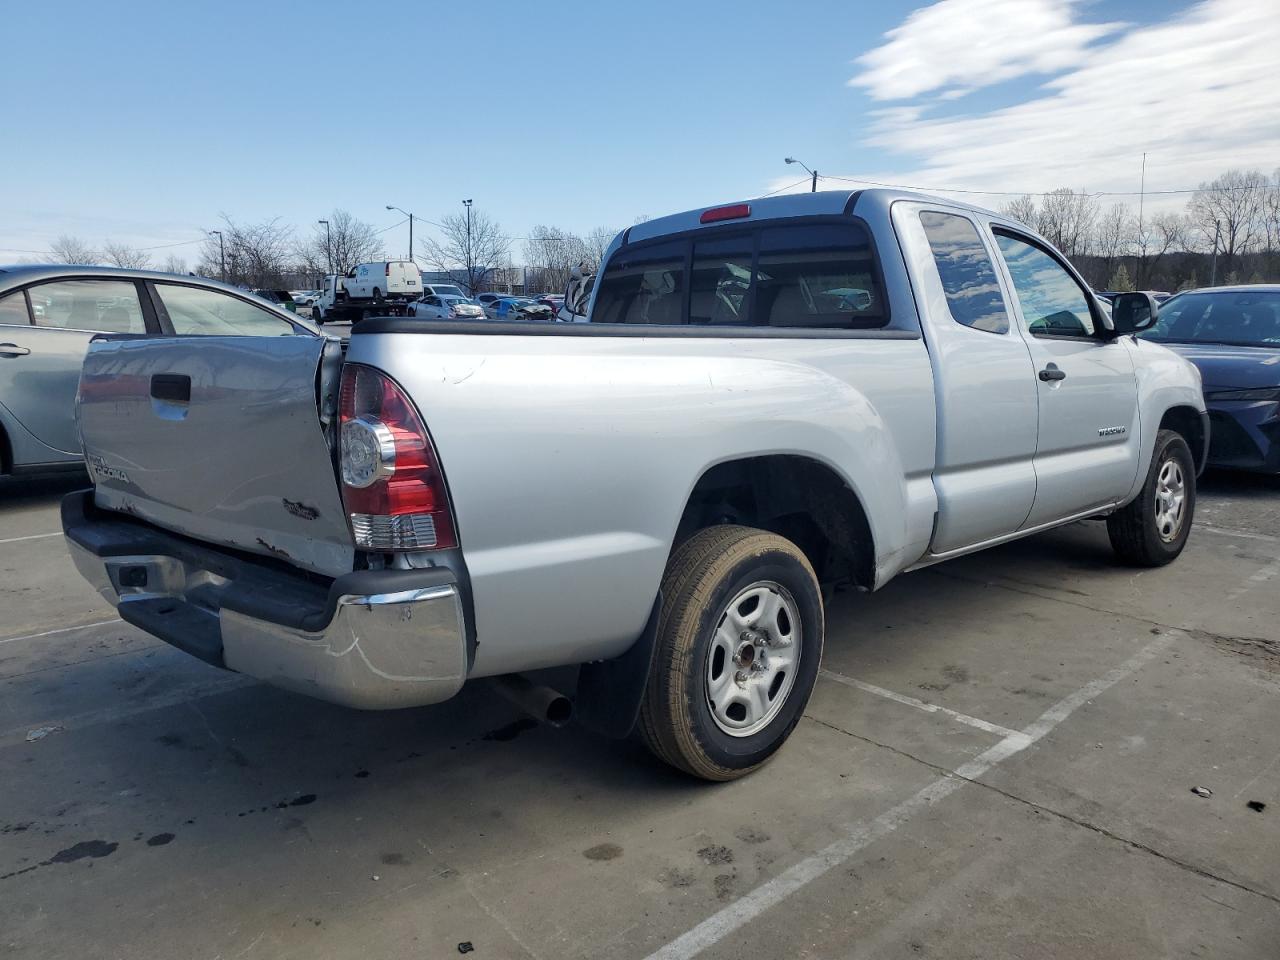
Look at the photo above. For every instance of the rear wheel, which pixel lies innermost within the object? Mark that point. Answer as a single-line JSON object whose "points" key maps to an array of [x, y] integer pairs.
{"points": [[317, 314], [1152, 530], [377, 294], [738, 647]]}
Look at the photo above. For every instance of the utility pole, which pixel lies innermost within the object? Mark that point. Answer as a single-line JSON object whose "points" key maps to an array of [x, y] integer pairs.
{"points": [[222, 257], [1213, 268], [471, 284], [1142, 237]]}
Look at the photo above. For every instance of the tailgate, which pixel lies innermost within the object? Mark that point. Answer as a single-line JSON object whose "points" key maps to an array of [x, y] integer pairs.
{"points": [[220, 439]]}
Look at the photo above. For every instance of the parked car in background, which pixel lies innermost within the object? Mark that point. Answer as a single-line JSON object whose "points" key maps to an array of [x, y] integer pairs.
{"points": [[487, 298], [444, 290], [554, 301], [517, 308], [1233, 335], [434, 307], [48, 315], [281, 298], [304, 298], [696, 472]]}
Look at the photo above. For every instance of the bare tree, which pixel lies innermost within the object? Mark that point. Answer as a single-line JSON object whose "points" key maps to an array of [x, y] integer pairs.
{"points": [[553, 253], [1113, 235], [1023, 209], [597, 243], [69, 249], [174, 264], [1231, 207], [1066, 220], [123, 255], [348, 241], [257, 254], [470, 250]]}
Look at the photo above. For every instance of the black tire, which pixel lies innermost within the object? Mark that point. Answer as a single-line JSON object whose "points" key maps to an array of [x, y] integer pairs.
{"points": [[1135, 530], [377, 295], [317, 315], [703, 576]]}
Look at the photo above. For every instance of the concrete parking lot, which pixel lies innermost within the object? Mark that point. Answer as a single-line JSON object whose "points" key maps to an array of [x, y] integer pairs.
{"points": [[998, 762]]}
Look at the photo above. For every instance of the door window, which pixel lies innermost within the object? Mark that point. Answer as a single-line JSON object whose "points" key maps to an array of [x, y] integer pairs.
{"points": [[102, 306], [195, 311], [13, 309], [1053, 303], [965, 269]]}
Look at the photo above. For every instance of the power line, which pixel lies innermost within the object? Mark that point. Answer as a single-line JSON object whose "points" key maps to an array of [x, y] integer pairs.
{"points": [[791, 186]]}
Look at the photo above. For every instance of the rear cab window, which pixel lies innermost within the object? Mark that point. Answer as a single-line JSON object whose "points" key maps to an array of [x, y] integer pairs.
{"points": [[811, 273], [965, 269]]}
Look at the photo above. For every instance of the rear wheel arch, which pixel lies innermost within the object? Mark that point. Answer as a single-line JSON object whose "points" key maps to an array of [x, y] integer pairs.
{"points": [[800, 498], [6, 452], [1192, 425]]}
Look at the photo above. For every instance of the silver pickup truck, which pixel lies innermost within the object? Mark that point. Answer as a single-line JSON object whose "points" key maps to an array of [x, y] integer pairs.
{"points": [[769, 400]]}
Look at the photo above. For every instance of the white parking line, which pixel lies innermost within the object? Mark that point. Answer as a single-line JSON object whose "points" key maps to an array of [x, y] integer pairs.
{"points": [[1236, 533], [34, 536], [50, 633], [1262, 576], [859, 835], [918, 704]]}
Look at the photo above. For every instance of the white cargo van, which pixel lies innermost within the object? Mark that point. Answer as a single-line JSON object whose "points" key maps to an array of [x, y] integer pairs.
{"points": [[393, 279]]}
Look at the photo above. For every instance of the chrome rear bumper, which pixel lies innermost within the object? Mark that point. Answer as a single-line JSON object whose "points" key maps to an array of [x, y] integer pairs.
{"points": [[375, 650]]}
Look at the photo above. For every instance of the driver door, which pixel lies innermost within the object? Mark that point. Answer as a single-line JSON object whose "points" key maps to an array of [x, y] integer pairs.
{"points": [[1086, 388]]}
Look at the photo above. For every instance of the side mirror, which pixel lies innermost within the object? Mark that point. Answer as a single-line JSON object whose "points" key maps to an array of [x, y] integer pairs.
{"points": [[1132, 312]]}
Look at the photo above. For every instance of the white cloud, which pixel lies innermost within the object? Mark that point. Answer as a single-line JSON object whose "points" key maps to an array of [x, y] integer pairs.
{"points": [[1198, 92], [959, 45]]}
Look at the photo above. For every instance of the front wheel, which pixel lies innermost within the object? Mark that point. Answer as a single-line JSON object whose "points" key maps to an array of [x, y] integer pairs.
{"points": [[739, 643], [1152, 530]]}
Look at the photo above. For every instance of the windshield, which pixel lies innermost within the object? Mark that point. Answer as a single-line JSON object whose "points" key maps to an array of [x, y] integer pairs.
{"points": [[1249, 318], [446, 290]]}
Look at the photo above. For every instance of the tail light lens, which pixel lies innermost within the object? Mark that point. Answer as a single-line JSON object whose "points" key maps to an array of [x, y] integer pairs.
{"points": [[387, 268], [392, 486]]}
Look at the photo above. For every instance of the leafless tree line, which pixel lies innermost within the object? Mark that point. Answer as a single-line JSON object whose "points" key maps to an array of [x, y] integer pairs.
{"points": [[1229, 231]]}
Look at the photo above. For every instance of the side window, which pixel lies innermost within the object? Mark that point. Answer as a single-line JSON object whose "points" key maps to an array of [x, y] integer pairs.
{"points": [[1053, 304], [968, 277], [13, 310], [720, 281], [104, 306], [194, 311], [818, 275], [433, 301], [644, 285]]}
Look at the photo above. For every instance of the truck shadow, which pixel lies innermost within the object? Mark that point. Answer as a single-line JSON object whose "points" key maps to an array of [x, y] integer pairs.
{"points": [[39, 490]]}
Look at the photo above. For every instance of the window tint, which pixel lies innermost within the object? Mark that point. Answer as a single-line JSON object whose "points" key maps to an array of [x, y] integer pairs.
{"points": [[1053, 304], [720, 281], [13, 309], [196, 311], [644, 285], [817, 275], [968, 278], [107, 306]]}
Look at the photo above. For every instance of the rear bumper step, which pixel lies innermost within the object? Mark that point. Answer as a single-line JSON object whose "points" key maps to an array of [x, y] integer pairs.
{"points": [[373, 640]]}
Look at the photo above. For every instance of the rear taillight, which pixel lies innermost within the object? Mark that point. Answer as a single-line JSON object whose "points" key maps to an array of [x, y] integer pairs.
{"points": [[387, 268], [392, 486]]}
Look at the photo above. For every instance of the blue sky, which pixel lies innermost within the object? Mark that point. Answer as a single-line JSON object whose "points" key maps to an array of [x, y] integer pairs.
{"points": [[142, 122]]}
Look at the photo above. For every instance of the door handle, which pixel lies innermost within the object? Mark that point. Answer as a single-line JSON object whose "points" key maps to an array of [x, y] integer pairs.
{"points": [[1051, 372], [13, 350], [173, 387]]}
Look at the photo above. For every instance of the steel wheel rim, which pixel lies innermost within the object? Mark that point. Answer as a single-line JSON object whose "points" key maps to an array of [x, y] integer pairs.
{"points": [[753, 658], [1171, 500]]}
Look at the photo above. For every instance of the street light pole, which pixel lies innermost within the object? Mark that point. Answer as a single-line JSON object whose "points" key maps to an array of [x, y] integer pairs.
{"points": [[1213, 268], [328, 249], [222, 257], [813, 188], [410, 216], [470, 266]]}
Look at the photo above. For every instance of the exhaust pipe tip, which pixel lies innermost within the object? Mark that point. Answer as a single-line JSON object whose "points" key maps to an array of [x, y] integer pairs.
{"points": [[541, 702]]}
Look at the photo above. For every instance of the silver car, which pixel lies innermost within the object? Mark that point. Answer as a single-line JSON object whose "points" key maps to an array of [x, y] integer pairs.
{"points": [[48, 315]]}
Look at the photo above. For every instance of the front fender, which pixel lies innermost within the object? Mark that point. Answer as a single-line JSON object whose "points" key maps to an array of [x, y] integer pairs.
{"points": [[1165, 381]]}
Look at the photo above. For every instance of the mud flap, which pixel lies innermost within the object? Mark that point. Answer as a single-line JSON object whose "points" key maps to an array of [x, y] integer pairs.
{"points": [[610, 691]]}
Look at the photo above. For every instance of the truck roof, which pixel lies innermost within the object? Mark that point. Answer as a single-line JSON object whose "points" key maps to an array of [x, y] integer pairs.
{"points": [[822, 203]]}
